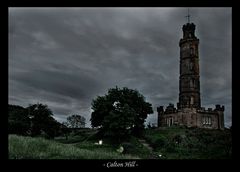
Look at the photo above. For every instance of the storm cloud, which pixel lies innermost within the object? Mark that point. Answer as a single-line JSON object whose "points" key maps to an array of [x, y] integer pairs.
{"points": [[65, 57]]}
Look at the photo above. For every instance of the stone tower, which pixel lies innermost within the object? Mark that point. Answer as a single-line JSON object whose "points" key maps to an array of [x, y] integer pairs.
{"points": [[189, 80], [189, 111]]}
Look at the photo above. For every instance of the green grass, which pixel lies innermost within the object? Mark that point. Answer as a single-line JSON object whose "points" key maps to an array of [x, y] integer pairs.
{"points": [[190, 143], [21, 147], [79, 136], [171, 143], [134, 147]]}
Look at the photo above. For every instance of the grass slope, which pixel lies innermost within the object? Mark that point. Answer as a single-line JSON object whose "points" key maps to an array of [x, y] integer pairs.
{"points": [[186, 143], [21, 147], [170, 143]]}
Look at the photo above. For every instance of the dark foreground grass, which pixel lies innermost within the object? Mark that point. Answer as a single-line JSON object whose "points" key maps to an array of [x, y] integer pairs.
{"points": [[167, 143], [21, 147]]}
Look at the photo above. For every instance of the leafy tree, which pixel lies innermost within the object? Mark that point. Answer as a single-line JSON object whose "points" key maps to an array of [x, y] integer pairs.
{"points": [[52, 128], [120, 113], [42, 120], [18, 120], [76, 121]]}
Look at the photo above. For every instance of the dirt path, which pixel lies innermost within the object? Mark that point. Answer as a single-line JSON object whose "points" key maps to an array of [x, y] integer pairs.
{"points": [[152, 155]]}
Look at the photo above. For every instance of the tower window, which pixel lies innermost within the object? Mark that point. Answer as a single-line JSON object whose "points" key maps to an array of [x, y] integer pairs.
{"points": [[209, 120], [169, 121], [191, 51], [206, 120], [191, 66], [192, 100], [192, 83]]}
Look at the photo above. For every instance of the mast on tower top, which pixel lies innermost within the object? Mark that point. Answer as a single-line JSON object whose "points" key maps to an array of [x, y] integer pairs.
{"points": [[188, 16]]}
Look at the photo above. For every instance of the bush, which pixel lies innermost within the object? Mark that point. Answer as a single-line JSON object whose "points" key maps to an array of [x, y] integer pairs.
{"points": [[156, 141], [128, 148], [170, 147], [177, 139]]}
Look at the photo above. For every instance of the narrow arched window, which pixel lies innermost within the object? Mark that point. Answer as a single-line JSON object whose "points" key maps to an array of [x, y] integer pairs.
{"points": [[191, 51], [192, 101]]}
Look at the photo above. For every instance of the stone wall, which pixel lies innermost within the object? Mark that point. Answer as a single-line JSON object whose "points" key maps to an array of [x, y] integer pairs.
{"points": [[192, 117]]}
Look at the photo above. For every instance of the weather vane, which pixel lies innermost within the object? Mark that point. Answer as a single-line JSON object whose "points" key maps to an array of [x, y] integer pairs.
{"points": [[188, 16]]}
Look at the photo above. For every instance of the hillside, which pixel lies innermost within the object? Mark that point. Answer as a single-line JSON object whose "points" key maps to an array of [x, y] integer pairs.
{"points": [[164, 143], [21, 147], [190, 143]]}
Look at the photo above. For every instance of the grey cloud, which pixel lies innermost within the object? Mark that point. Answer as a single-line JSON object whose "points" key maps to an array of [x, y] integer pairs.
{"points": [[65, 57]]}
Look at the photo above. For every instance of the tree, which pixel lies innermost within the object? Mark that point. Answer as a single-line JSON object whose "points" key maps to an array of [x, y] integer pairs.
{"points": [[42, 121], [18, 120], [120, 113], [76, 121], [52, 128]]}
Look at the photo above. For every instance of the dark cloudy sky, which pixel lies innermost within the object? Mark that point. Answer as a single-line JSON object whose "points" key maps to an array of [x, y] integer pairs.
{"points": [[65, 57]]}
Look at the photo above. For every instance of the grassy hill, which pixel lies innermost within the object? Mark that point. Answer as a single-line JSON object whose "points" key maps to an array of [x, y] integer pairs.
{"points": [[190, 143], [165, 143], [21, 147]]}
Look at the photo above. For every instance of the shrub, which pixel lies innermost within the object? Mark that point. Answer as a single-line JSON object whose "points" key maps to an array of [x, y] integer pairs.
{"points": [[128, 147], [159, 142], [156, 141]]}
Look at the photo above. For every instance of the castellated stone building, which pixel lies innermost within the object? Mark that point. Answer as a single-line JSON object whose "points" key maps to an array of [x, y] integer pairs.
{"points": [[189, 111]]}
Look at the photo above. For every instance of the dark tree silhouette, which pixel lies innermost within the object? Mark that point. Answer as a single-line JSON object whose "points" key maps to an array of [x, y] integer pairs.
{"points": [[42, 121], [120, 113], [18, 120]]}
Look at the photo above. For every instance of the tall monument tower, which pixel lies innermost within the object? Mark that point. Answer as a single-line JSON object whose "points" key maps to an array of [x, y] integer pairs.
{"points": [[189, 111], [189, 80]]}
